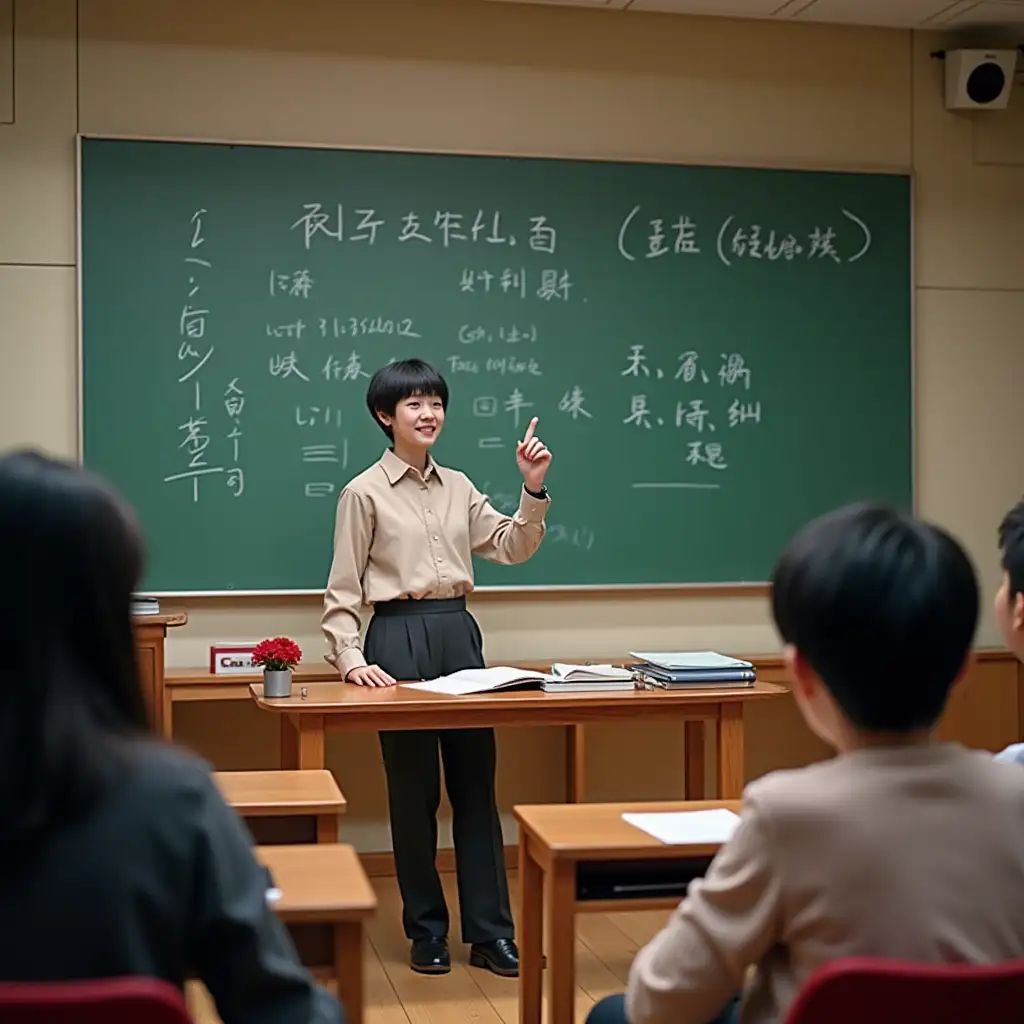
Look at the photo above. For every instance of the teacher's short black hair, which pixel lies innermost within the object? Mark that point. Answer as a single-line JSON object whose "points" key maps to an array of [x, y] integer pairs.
{"points": [[1011, 543], [884, 608], [403, 379]]}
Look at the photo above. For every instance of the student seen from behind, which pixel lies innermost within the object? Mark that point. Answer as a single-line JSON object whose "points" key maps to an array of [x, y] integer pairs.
{"points": [[118, 855], [1010, 598], [901, 846]]}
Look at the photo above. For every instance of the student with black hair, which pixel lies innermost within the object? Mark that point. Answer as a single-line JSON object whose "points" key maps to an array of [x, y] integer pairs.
{"points": [[1010, 598], [901, 846], [405, 534], [118, 855]]}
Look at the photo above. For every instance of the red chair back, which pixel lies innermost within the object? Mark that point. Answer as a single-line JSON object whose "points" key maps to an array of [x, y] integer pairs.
{"points": [[866, 989], [102, 1001]]}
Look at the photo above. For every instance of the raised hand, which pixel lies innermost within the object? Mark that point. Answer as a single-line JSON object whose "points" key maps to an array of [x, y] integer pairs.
{"points": [[532, 458]]}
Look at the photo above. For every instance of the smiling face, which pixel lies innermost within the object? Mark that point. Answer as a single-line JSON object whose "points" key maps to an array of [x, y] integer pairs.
{"points": [[416, 423]]}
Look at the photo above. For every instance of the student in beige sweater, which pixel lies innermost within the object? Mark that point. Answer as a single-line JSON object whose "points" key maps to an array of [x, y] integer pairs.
{"points": [[901, 846]]}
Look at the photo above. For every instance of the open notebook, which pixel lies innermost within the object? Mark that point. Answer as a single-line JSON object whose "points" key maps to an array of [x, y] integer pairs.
{"points": [[590, 673], [481, 680]]}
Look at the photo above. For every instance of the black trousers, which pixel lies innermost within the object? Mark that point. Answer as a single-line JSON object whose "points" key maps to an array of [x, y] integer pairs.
{"points": [[423, 640]]}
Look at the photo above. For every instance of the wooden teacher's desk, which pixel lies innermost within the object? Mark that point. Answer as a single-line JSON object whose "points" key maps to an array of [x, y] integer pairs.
{"points": [[345, 706], [150, 635], [582, 858]]}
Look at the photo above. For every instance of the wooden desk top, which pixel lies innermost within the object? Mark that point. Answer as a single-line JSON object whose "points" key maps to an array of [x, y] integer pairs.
{"points": [[167, 617], [323, 883], [355, 701], [597, 831], [321, 672], [267, 793]]}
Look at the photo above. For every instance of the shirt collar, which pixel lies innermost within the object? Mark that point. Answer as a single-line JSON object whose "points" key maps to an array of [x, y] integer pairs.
{"points": [[395, 468]]}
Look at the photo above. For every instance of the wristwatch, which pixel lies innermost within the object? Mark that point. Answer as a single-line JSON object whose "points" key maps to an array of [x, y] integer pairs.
{"points": [[540, 495]]}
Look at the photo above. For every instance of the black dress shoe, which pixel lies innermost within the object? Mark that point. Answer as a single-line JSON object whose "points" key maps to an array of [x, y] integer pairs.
{"points": [[499, 956], [430, 956]]}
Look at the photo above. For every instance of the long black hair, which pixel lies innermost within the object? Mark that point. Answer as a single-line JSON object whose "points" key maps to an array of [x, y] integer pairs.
{"points": [[71, 703]]}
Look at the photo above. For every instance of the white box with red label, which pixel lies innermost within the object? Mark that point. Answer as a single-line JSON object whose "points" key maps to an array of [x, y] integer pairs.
{"points": [[232, 659]]}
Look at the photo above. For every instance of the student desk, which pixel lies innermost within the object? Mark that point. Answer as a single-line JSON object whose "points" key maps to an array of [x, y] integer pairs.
{"points": [[345, 706], [325, 900], [285, 807], [584, 857]]}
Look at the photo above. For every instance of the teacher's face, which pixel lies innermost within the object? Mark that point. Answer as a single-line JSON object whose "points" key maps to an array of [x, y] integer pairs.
{"points": [[418, 421]]}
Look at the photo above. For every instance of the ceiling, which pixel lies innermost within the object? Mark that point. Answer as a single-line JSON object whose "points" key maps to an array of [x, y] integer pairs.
{"points": [[923, 14]]}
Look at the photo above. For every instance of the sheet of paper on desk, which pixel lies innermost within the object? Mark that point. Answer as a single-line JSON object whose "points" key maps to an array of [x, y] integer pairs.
{"points": [[687, 827]]}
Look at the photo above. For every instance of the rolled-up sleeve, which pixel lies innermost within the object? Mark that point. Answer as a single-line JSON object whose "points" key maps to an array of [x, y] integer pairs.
{"points": [[729, 920], [507, 540], [343, 597]]}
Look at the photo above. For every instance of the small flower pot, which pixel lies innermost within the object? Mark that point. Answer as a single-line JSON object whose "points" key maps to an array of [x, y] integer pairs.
{"points": [[277, 682]]}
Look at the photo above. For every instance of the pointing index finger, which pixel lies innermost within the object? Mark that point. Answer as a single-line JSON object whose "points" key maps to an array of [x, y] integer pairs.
{"points": [[529, 431]]}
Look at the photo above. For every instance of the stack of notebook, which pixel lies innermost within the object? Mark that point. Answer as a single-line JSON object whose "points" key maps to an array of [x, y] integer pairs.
{"points": [[692, 669], [143, 604]]}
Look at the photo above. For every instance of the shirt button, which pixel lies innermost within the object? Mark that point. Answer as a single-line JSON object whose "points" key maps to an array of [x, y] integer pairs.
{"points": [[435, 538]]}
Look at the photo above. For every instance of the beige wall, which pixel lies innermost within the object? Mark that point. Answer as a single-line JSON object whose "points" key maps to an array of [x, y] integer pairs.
{"points": [[502, 78]]}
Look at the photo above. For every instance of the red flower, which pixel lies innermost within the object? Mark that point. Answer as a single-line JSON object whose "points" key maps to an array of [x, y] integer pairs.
{"points": [[277, 654]]}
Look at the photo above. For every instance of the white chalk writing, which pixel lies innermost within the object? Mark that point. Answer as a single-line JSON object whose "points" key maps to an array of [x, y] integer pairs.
{"points": [[194, 352], [354, 327], [740, 241], [550, 285]]}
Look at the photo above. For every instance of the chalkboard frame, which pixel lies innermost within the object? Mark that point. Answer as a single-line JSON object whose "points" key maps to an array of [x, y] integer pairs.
{"points": [[740, 588]]}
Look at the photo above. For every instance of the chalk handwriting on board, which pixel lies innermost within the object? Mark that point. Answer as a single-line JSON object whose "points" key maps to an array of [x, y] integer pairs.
{"points": [[446, 227], [194, 352], [573, 402], [549, 285], [641, 238], [295, 283], [704, 413], [753, 241]]}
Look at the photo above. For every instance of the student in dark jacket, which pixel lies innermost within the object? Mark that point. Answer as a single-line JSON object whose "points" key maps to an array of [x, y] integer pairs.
{"points": [[118, 855]]}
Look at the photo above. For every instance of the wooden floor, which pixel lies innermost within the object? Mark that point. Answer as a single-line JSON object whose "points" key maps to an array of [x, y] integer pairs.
{"points": [[605, 945]]}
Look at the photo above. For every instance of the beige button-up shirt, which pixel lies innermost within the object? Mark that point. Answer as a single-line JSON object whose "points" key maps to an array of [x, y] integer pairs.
{"points": [[399, 534], [908, 853]]}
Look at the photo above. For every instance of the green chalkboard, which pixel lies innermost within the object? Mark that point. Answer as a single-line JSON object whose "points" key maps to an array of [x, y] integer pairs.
{"points": [[715, 354]]}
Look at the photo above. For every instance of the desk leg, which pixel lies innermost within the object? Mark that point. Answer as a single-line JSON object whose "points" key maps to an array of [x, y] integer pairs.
{"points": [[289, 742], [693, 784], [531, 933], [575, 764], [348, 968], [327, 828], [561, 904], [168, 715], [730, 751], [311, 741]]}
